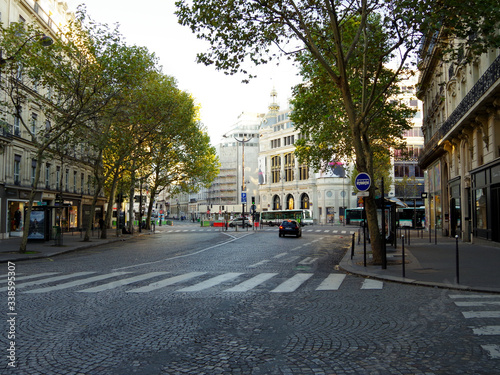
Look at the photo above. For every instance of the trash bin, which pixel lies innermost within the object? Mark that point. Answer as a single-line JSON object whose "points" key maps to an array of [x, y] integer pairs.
{"points": [[57, 235]]}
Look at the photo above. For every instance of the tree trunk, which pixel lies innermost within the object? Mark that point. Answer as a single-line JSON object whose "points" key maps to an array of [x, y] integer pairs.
{"points": [[109, 211], [372, 221], [131, 200]]}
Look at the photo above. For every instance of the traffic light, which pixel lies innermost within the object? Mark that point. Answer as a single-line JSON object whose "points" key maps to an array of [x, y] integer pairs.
{"points": [[253, 200]]}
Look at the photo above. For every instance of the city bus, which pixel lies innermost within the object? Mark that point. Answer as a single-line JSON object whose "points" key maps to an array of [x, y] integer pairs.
{"points": [[354, 216], [275, 217], [405, 217]]}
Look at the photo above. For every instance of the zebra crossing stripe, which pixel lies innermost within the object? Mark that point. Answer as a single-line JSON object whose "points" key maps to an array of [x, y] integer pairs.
{"points": [[332, 282], [476, 303], [20, 278], [166, 282], [76, 283], [115, 284], [473, 296], [481, 314], [292, 283], [486, 330], [50, 279], [251, 283], [211, 282], [492, 350], [372, 284]]}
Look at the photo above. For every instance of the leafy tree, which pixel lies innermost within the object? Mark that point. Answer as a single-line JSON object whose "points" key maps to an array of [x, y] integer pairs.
{"points": [[340, 37], [178, 152]]}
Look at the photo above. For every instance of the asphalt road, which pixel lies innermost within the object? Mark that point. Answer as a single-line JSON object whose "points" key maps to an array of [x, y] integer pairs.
{"points": [[185, 301]]}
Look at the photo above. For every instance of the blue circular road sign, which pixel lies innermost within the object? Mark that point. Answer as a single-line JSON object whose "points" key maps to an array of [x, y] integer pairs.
{"points": [[363, 181]]}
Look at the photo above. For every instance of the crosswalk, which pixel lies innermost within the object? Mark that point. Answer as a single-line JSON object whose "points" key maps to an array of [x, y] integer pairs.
{"points": [[271, 229], [481, 310], [230, 282]]}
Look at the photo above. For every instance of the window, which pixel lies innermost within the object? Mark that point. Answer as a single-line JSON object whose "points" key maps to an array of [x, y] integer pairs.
{"points": [[289, 166], [33, 171], [17, 122], [17, 169], [34, 119], [481, 210], [303, 172], [74, 181], [275, 143], [58, 178], [82, 184], [47, 176], [275, 168], [66, 180]]}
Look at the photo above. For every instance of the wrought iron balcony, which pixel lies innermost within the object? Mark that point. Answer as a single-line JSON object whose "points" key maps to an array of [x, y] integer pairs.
{"points": [[483, 84]]}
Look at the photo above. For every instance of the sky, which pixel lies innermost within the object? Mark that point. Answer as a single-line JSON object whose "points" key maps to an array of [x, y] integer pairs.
{"points": [[222, 98]]}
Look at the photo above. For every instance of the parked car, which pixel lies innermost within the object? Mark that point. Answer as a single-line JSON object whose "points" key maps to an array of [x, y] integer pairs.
{"points": [[290, 227], [241, 222]]}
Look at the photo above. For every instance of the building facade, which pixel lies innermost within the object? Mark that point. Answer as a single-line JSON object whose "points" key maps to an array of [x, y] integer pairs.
{"points": [[65, 187], [286, 184], [408, 176], [238, 153], [461, 153]]}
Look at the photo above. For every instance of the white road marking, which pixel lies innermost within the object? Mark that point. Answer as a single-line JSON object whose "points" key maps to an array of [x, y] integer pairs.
{"points": [[115, 284], [280, 255], [332, 282], [308, 260], [166, 282], [76, 283], [211, 282], [251, 283], [372, 284], [292, 283], [480, 296], [50, 279], [260, 263], [481, 314], [4, 280], [486, 330], [476, 303], [493, 350]]}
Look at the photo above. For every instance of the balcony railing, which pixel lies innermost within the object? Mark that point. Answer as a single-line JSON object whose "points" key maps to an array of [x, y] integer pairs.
{"points": [[483, 84]]}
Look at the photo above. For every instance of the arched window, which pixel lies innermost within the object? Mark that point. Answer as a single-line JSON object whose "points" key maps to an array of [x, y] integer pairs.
{"points": [[290, 204], [276, 203], [304, 201]]}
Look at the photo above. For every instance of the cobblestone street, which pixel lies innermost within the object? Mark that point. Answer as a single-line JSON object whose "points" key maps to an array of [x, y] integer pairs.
{"points": [[212, 303]]}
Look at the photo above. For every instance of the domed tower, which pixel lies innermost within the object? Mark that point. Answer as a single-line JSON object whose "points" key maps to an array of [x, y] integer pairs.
{"points": [[273, 106]]}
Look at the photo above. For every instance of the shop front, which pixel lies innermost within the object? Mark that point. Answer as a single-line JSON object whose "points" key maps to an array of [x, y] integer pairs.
{"points": [[17, 202], [486, 202], [434, 207]]}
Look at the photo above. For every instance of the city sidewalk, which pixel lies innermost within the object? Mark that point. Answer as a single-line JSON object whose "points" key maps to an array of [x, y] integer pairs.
{"points": [[432, 262], [9, 248]]}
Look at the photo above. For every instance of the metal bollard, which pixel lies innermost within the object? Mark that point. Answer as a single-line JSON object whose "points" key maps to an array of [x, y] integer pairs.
{"points": [[403, 254], [352, 247], [457, 262]]}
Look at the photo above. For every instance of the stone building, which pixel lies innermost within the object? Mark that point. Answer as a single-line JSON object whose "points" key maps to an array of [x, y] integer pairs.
{"points": [[286, 184], [65, 187], [461, 153]]}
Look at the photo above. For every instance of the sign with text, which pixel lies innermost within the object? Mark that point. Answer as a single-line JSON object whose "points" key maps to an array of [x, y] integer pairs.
{"points": [[363, 181]]}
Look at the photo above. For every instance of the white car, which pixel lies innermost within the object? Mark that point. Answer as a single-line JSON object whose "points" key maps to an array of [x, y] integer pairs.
{"points": [[239, 222]]}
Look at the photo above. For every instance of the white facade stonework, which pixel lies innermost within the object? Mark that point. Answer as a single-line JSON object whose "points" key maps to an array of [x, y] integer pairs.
{"points": [[462, 143]]}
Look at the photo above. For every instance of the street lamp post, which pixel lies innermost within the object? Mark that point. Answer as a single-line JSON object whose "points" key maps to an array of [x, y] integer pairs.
{"points": [[44, 40], [243, 187]]}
